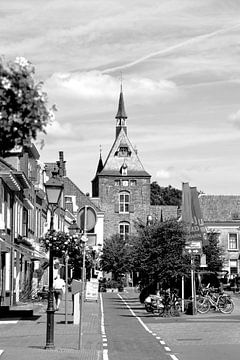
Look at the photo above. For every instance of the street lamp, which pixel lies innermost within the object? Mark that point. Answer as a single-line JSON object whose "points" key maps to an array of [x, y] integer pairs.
{"points": [[53, 189]]}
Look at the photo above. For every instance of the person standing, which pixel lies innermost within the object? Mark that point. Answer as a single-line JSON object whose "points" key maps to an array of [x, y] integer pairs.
{"points": [[59, 290]]}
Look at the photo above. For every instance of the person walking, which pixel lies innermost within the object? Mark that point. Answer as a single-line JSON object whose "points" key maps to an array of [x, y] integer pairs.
{"points": [[59, 290]]}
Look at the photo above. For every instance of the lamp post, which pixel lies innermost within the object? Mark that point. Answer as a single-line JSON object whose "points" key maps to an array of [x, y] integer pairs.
{"points": [[53, 188]]}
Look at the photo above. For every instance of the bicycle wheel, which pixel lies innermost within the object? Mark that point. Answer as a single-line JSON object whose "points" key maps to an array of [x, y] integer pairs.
{"points": [[203, 305], [225, 304], [174, 310]]}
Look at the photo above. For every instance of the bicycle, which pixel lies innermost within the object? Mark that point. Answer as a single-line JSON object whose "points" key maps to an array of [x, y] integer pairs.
{"points": [[221, 302]]}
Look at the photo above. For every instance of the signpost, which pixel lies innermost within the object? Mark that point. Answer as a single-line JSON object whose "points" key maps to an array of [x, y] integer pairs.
{"points": [[87, 219], [192, 217]]}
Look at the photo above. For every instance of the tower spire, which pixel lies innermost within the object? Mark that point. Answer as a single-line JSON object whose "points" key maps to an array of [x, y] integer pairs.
{"points": [[121, 113]]}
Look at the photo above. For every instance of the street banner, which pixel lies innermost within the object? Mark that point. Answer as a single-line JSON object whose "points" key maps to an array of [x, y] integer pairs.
{"points": [[186, 205], [198, 230], [192, 217]]}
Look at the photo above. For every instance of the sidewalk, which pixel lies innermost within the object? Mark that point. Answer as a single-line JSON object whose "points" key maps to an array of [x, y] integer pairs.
{"points": [[27, 338]]}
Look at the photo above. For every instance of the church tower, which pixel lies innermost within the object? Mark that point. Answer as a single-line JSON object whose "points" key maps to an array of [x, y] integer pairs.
{"points": [[121, 184]]}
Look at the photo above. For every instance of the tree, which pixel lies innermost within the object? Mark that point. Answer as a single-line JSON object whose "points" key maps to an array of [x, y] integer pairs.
{"points": [[116, 256], [158, 252], [214, 252], [23, 104], [165, 195]]}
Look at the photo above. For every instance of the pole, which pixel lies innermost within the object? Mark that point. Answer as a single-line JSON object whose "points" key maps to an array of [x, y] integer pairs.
{"points": [[83, 280], [183, 295], [193, 286], [66, 288], [50, 308]]}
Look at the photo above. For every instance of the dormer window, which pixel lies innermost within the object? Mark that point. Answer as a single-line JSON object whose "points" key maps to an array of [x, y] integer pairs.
{"points": [[123, 151]]}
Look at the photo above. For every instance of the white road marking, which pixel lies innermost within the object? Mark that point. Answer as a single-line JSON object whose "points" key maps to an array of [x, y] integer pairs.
{"points": [[3, 322], [173, 357], [162, 342], [104, 336], [1, 352]]}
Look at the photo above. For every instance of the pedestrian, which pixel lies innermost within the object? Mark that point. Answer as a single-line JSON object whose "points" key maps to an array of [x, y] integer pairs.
{"points": [[59, 290]]}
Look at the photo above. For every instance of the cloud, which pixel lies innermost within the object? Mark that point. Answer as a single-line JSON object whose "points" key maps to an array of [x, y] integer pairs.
{"points": [[163, 174], [235, 119], [97, 85]]}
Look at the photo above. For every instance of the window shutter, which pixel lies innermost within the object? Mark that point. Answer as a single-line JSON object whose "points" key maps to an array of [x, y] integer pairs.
{"points": [[131, 208], [116, 208]]}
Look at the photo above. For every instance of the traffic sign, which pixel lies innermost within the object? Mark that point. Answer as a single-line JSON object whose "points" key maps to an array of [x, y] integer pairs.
{"points": [[87, 213]]}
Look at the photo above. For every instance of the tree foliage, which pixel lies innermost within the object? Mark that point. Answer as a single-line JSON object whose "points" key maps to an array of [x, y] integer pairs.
{"points": [[23, 104], [158, 252], [214, 252], [63, 244], [165, 195], [116, 256]]}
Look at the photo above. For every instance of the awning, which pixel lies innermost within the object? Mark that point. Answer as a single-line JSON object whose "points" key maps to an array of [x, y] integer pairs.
{"points": [[10, 180], [23, 180]]}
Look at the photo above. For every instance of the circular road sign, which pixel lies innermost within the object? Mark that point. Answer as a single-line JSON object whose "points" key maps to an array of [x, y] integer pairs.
{"points": [[90, 218]]}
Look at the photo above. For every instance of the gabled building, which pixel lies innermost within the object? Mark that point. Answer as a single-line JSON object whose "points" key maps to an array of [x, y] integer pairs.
{"points": [[22, 218], [221, 214], [121, 186]]}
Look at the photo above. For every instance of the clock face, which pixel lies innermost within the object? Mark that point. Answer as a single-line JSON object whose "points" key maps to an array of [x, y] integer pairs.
{"points": [[125, 183]]}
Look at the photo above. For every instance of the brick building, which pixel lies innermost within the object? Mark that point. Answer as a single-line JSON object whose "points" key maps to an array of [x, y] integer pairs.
{"points": [[121, 186]]}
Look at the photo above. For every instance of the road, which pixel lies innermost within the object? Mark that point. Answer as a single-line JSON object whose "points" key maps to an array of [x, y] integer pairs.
{"points": [[131, 333]]}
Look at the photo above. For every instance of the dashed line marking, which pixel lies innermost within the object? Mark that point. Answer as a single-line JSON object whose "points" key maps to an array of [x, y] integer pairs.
{"points": [[104, 337], [162, 342], [6, 322], [173, 357], [167, 348]]}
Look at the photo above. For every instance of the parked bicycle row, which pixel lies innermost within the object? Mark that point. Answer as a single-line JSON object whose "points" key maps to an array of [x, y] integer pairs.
{"points": [[167, 303]]}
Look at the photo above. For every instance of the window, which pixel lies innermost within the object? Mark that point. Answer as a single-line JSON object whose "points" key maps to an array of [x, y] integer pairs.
{"points": [[124, 230], [125, 183], [124, 200], [133, 182], [232, 241], [68, 198], [117, 183], [123, 151]]}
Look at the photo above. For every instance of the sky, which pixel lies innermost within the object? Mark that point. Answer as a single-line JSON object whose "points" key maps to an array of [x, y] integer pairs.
{"points": [[179, 61]]}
